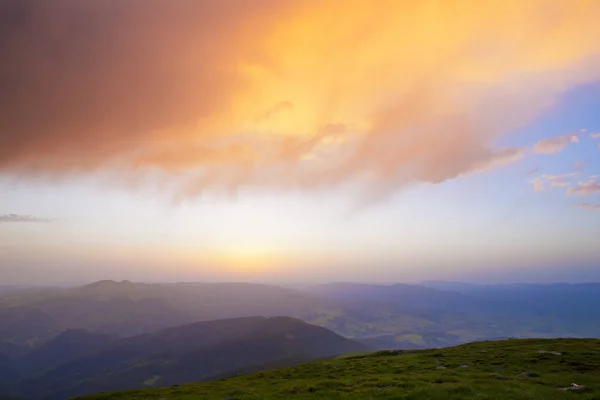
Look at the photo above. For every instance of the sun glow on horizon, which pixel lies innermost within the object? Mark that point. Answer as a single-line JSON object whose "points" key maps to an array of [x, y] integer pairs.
{"points": [[248, 259]]}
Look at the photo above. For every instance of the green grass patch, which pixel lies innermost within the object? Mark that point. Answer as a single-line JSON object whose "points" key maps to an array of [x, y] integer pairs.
{"points": [[499, 370]]}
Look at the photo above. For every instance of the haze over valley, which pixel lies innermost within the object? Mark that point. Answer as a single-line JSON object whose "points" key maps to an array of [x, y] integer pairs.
{"points": [[58, 343]]}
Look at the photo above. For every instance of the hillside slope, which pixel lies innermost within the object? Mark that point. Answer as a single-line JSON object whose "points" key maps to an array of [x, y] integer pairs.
{"points": [[189, 353], [69, 345], [510, 369]]}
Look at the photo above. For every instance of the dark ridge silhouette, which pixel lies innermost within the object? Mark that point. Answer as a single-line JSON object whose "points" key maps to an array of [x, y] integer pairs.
{"points": [[192, 352]]}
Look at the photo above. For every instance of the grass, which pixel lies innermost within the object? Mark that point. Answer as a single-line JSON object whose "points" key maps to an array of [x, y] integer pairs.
{"points": [[503, 370]]}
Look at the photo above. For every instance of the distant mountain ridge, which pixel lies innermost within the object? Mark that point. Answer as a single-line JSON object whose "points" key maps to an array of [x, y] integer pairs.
{"points": [[191, 352], [393, 316], [126, 308], [397, 293], [34, 323]]}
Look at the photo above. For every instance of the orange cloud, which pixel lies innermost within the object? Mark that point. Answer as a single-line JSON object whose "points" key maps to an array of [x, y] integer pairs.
{"points": [[560, 183], [228, 93], [278, 108]]}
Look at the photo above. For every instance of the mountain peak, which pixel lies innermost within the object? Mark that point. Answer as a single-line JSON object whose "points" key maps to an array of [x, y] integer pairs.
{"points": [[107, 283]]}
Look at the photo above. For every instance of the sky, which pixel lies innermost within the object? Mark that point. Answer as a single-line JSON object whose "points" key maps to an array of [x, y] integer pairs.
{"points": [[299, 141]]}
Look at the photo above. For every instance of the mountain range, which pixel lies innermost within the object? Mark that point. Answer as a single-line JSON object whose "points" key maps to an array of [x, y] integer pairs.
{"points": [[61, 342], [187, 353]]}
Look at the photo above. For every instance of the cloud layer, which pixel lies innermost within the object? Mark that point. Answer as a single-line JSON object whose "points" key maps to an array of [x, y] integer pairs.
{"points": [[283, 94]]}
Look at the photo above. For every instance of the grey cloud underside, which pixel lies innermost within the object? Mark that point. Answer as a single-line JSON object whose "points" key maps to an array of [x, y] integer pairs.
{"points": [[7, 218]]}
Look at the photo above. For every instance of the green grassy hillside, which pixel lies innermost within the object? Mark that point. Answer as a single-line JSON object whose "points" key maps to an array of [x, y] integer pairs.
{"points": [[506, 370]]}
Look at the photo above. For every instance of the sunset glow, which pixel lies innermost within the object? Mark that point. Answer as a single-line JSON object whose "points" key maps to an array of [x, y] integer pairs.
{"points": [[395, 139]]}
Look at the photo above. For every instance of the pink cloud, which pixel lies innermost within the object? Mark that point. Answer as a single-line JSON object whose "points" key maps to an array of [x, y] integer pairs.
{"points": [[560, 183], [555, 144], [532, 171], [551, 177], [595, 135], [538, 184], [590, 206], [502, 157], [585, 188]]}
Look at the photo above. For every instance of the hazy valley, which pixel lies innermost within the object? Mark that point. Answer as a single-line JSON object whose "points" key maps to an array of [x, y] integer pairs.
{"points": [[62, 342]]}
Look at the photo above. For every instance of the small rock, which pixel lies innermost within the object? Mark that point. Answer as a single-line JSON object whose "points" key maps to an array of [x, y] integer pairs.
{"points": [[463, 366], [528, 374], [575, 386], [440, 367], [555, 353]]}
